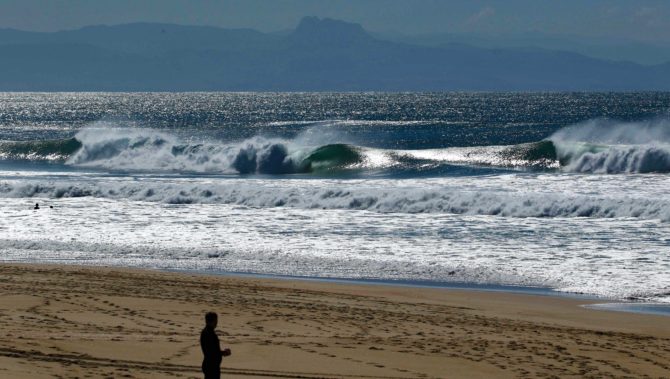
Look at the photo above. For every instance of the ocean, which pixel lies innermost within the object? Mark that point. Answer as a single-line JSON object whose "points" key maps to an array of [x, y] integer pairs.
{"points": [[563, 191]]}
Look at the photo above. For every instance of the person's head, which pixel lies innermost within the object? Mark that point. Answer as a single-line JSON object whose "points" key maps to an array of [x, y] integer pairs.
{"points": [[211, 319]]}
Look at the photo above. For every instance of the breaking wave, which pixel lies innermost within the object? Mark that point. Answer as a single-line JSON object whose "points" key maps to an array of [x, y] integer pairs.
{"points": [[380, 197], [597, 146], [148, 150], [610, 147]]}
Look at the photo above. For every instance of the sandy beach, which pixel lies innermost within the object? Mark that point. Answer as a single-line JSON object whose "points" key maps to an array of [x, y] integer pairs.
{"points": [[85, 322]]}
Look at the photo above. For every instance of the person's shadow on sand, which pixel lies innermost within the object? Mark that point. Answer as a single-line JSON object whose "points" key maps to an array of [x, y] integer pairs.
{"points": [[211, 349]]}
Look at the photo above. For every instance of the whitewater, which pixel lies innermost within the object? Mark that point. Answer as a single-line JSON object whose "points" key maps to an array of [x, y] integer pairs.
{"points": [[566, 192]]}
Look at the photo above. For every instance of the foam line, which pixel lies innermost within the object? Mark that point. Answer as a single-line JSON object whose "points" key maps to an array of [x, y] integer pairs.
{"points": [[383, 199]]}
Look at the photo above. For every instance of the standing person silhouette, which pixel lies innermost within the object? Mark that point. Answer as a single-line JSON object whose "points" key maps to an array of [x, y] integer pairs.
{"points": [[209, 343]]}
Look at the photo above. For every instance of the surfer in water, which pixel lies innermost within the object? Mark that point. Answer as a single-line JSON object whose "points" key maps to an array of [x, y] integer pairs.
{"points": [[37, 206]]}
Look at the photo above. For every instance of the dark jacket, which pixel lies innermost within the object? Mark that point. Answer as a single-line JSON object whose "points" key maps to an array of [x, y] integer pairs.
{"points": [[209, 343]]}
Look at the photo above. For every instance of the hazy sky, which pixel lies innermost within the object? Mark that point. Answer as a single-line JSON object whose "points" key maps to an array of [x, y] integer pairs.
{"points": [[644, 20]]}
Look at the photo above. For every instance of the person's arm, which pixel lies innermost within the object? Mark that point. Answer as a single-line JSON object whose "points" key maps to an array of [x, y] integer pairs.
{"points": [[225, 352]]}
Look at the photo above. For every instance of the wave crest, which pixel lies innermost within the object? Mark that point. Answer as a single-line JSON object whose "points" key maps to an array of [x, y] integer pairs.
{"points": [[610, 147], [150, 150], [597, 146]]}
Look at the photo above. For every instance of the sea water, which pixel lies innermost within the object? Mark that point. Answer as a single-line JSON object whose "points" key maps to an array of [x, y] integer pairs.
{"points": [[567, 191]]}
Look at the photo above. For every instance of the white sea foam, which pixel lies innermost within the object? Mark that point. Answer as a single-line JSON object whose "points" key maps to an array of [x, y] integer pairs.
{"points": [[605, 257], [151, 150], [456, 196], [610, 147], [623, 159]]}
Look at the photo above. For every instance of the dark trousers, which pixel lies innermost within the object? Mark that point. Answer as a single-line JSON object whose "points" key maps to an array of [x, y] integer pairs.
{"points": [[211, 371]]}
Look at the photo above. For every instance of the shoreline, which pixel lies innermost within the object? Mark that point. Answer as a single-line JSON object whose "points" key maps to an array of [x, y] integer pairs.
{"points": [[126, 322], [595, 302], [465, 286], [598, 303], [592, 301]]}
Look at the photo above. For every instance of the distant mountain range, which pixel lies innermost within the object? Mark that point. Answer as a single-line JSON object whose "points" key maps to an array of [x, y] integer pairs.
{"points": [[319, 55], [596, 47]]}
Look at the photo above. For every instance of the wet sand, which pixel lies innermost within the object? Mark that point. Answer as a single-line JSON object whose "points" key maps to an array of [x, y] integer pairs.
{"points": [[70, 321]]}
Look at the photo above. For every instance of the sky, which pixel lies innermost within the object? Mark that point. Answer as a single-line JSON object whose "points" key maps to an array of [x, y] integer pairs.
{"points": [[625, 20]]}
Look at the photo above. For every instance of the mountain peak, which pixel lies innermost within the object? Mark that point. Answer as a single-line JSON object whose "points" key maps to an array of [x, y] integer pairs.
{"points": [[327, 31]]}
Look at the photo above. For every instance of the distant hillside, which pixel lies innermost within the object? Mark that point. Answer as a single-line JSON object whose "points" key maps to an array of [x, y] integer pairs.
{"points": [[319, 55], [596, 47]]}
